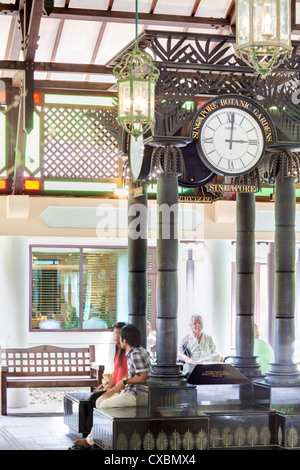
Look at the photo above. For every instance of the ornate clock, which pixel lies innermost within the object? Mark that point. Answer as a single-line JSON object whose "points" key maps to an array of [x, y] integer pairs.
{"points": [[231, 133]]}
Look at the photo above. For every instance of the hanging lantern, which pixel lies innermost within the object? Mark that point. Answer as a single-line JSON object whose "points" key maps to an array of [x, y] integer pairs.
{"points": [[263, 38], [136, 78]]}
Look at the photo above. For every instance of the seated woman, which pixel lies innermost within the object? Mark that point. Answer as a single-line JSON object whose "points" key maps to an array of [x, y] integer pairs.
{"points": [[120, 371]]}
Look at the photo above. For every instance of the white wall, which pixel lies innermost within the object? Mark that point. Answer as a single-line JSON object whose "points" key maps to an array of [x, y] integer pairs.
{"points": [[14, 318], [209, 292]]}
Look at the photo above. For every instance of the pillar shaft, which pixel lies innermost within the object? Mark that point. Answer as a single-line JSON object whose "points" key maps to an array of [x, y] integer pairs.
{"points": [[166, 371], [270, 289], [283, 370], [245, 360], [137, 264]]}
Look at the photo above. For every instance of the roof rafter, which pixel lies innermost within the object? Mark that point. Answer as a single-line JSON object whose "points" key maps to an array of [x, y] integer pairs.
{"points": [[55, 67], [113, 16], [149, 19]]}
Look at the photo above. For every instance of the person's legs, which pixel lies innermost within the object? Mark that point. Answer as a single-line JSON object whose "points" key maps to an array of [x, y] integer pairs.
{"points": [[91, 405], [119, 400], [88, 441]]}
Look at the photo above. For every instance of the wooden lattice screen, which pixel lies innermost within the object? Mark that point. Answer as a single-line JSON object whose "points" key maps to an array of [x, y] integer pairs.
{"points": [[76, 145]]}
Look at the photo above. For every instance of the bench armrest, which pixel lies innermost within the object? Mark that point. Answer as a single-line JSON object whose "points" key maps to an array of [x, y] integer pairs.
{"points": [[96, 371]]}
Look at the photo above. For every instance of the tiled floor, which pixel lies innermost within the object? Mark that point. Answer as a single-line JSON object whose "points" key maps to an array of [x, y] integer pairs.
{"points": [[37, 427]]}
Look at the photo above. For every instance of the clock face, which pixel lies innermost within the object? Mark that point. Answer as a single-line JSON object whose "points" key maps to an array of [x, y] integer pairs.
{"points": [[231, 141]]}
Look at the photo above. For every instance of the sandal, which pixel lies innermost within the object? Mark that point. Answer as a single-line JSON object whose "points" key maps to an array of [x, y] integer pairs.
{"points": [[79, 447]]}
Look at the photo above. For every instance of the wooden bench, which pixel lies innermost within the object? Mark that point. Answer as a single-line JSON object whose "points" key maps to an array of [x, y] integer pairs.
{"points": [[48, 366]]}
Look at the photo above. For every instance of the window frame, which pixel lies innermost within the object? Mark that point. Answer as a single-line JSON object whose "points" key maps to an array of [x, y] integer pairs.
{"points": [[80, 248], [151, 275]]}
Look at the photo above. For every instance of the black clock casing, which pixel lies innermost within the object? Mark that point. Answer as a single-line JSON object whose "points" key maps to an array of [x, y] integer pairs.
{"points": [[231, 133]]}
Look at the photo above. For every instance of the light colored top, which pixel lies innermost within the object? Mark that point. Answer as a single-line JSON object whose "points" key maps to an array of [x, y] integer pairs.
{"points": [[265, 354], [203, 351], [94, 324]]}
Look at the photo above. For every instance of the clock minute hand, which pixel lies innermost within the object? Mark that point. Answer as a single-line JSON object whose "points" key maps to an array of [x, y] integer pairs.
{"points": [[231, 132], [237, 141]]}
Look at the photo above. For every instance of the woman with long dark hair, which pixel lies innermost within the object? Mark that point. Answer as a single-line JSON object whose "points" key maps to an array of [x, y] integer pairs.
{"points": [[120, 370], [120, 361]]}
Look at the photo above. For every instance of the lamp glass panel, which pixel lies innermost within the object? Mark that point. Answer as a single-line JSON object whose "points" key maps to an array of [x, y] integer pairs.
{"points": [[140, 98], [257, 20], [285, 24], [243, 19], [124, 99], [264, 20], [269, 20]]}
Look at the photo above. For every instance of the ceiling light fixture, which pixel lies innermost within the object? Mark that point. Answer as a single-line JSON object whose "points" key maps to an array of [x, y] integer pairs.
{"points": [[136, 79], [263, 38]]}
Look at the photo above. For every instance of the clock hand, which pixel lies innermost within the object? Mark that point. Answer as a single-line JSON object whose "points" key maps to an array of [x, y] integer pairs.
{"points": [[237, 141], [231, 132]]}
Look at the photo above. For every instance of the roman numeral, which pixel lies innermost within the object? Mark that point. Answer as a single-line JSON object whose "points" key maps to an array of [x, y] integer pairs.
{"points": [[230, 117]]}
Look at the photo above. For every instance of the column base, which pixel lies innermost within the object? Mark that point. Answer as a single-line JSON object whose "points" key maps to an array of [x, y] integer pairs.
{"points": [[248, 366], [283, 374], [166, 376]]}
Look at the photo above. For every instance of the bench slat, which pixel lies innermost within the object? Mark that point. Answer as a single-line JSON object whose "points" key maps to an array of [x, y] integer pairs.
{"points": [[26, 382]]}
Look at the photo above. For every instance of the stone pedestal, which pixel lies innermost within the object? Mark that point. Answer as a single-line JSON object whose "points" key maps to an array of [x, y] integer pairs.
{"points": [[284, 398], [133, 429], [76, 408], [165, 401]]}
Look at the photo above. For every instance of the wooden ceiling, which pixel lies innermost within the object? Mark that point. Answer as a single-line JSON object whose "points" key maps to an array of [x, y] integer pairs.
{"points": [[69, 42], [41, 34]]}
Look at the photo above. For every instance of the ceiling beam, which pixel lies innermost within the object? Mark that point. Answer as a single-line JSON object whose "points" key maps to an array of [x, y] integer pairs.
{"points": [[31, 26], [82, 87], [113, 16], [148, 19], [55, 67]]}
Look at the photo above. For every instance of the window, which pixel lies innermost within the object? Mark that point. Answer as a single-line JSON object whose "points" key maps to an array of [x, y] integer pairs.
{"points": [[76, 288], [82, 288]]}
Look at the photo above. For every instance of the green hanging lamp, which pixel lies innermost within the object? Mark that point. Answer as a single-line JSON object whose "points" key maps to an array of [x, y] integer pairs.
{"points": [[136, 79], [263, 34]]}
